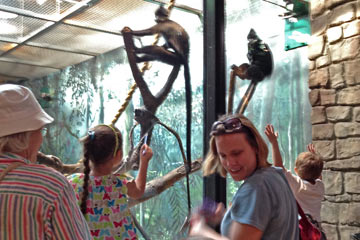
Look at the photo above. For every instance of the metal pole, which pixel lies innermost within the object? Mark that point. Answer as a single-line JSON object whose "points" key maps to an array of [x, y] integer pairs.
{"points": [[214, 86]]}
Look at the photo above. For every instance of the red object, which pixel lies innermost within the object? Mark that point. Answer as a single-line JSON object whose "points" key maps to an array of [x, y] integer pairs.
{"points": [[307, 230]]}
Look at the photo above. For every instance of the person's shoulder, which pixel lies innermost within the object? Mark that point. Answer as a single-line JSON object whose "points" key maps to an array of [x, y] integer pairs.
{"points": [[75, 177], [291, 176], [47, 174], [122, 176], [268, 171], [261, 175], [269, 177], [319, 184]]}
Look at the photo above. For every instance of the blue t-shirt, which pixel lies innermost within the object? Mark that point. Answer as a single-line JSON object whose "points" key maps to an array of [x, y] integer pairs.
{"points": [[265, 201]]}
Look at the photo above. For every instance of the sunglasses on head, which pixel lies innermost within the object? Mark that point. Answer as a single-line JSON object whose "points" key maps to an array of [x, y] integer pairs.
{"points": [[231, 125]]}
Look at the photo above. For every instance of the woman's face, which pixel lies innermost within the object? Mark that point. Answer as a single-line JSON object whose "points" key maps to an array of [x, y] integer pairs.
{"points": [[236, 155]]}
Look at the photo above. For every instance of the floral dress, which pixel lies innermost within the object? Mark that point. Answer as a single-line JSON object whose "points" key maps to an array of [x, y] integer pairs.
{"points": [[107, 210]]}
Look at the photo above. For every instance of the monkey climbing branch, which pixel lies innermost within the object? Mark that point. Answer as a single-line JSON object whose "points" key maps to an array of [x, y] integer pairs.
{"points": [[146, 66]]}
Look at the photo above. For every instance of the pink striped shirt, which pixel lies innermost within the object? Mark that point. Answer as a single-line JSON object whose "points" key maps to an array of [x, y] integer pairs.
{"points": [[37, 202]]}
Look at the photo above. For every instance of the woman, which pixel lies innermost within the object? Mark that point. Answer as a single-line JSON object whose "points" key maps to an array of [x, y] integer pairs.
{"points": [[36, 202], [264, 206]]}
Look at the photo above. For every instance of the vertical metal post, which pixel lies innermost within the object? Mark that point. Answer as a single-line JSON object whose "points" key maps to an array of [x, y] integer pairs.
{"points": [[214, 85]]}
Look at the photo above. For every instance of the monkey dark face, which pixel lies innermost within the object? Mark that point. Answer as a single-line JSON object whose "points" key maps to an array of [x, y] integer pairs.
{"points": [[161, 14], [260, 58], [145, 117], [252, 35]]}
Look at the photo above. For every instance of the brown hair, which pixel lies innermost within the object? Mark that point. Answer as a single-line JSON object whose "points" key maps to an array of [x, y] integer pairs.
{"points": [[212, 161], [99, 147], [309, 166]]}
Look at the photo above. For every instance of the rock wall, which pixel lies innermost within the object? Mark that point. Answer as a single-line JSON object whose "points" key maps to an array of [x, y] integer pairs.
{"points": [[334, 82]]}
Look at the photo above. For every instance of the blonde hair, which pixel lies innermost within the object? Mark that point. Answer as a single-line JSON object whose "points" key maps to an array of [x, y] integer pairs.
{"points": [[212, 162], [15, 143], [309, 166]]}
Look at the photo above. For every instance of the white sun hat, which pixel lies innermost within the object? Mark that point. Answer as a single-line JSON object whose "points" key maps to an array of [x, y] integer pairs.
{"points": [[20, 111]]}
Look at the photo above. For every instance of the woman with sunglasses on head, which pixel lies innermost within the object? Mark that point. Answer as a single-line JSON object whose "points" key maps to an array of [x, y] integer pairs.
{"points": [[263, 206], [36, 202], [103, 195]]}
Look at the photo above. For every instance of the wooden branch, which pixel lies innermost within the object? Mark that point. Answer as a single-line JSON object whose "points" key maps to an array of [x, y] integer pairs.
{"points": [[130, 51], [247, 97], [163, 93], [231, 92], [151, 101], [153, 188], [57, 164], [158, 185]]}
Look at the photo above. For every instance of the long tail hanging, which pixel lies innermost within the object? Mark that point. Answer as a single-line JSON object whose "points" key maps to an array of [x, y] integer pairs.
{"points": [[187, 168], [146, 66]]}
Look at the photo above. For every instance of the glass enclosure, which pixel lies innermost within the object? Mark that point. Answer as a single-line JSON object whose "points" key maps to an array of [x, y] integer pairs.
{"points": [[84, 95], [90, 93], [281, 99]]}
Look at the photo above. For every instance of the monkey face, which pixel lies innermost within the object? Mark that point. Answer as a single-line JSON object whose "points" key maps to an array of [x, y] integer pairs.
{"points": [[161, 14], [252, 35]]}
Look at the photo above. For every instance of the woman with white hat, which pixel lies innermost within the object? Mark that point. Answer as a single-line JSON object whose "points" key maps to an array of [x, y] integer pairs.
{"points": [[36, 202]]}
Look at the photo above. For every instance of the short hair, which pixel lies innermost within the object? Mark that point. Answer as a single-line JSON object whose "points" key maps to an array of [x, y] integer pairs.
{"points": [[212, 162], [309, 166], [15, 143]]}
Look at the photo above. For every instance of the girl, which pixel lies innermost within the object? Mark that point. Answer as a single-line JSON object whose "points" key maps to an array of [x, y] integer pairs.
{"points": [[264, 206], [102, 195]]}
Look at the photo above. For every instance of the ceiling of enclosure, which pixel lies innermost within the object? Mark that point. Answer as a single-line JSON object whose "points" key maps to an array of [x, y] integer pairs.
{"points": [[38, 37]]}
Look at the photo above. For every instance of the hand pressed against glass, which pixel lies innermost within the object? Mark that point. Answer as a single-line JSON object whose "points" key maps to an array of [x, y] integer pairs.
{"points": [[236, 155]]}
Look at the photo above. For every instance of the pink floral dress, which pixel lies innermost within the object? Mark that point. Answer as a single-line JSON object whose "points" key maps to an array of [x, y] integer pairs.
{"points": [[107, 210]]}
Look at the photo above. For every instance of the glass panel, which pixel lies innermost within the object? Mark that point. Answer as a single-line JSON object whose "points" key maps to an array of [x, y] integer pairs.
{"points": [[282, 98], [89, 93]]}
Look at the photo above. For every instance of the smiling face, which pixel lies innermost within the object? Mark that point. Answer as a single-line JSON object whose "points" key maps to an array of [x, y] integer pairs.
{"points": [[236, 155]]}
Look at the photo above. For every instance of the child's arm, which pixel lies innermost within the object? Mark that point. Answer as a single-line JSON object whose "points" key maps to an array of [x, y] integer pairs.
{"points": [[136, 187], [272, 136]]}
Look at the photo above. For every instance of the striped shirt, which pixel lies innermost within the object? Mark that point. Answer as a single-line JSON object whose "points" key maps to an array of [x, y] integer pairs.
{"points": [[37, 202]]}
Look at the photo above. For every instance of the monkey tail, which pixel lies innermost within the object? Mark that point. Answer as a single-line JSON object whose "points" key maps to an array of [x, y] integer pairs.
{"points": [[188, 93]]}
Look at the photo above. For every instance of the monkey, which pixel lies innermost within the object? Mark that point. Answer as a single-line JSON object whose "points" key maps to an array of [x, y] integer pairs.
{"points": [[176, 39], [175, 51], [260, 59]]}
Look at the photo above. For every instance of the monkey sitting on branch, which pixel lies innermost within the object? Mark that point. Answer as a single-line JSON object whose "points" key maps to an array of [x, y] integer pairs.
{"points": [[261, 65], [260, 58]]}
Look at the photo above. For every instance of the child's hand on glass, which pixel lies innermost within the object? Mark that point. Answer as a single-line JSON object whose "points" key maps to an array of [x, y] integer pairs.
{"points": [[311, 148], [271, 134]]}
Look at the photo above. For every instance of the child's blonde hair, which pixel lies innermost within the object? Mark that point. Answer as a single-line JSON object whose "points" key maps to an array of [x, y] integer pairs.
{"points": [[309, 166]]}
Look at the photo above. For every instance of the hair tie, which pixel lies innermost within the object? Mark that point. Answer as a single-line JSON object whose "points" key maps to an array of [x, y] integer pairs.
{"points": [[91, 134]]}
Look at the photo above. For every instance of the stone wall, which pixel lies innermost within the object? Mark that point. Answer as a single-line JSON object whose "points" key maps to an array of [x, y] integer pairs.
{"points": [[334, 82]]}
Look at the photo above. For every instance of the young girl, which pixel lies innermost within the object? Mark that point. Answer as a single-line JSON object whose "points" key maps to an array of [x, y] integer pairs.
{"points": [[102, 195]]}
